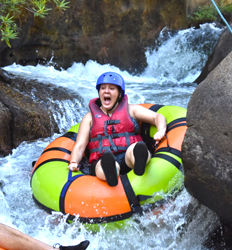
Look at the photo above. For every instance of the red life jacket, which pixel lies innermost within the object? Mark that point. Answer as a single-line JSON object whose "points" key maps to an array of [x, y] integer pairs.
{"points": [[115, 133]]}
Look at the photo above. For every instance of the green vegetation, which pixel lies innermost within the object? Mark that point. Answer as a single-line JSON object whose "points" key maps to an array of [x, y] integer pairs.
{"points": [[209, 13], [9, 8]]}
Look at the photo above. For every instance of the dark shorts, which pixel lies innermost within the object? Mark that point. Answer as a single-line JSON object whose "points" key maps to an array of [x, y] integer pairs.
{"points": [[120, 158]]}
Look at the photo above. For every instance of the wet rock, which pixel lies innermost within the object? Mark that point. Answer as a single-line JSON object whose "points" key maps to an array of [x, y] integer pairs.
{"points": [[30, 110], [221, 50], [4, 76], [219, 239], [5, 135], [30, 119], [207, 151]]}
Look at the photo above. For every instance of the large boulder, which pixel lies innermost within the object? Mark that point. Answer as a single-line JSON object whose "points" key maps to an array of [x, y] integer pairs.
{"points": [[29, 110], [115, 32], [207, 147], [22, 119], [5, 136]]}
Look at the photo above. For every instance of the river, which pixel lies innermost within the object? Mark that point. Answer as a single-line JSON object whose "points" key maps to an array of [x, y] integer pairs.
{"points": [[173, 64]]}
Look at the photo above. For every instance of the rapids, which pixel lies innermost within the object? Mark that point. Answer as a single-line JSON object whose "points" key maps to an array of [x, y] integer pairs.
{"points": [[173, 64]]}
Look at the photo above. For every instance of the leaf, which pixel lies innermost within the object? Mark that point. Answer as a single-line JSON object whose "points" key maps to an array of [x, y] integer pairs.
{"points": [[8, 42]]}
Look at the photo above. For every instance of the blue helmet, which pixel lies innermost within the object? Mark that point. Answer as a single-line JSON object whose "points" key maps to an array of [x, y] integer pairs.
{"points": [[112, 78]]}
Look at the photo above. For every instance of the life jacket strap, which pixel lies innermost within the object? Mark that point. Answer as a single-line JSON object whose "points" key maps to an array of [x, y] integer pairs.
{"points": [[112, 146], [108, 148], [113, 136]]}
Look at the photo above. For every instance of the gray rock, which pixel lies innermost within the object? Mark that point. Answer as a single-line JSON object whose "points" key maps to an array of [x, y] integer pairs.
{"points": [[207, 151]]}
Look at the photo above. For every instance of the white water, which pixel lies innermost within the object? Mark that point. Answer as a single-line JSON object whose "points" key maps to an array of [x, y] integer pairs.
{"points": [[172, 67]]}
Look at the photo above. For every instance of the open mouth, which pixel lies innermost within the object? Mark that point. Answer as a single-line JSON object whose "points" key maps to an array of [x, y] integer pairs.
{"points": [[107, 100]]}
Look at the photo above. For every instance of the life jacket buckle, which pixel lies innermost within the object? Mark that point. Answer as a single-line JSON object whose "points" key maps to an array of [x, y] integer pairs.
{"points": [[111, 122], [113, 136]]}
